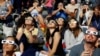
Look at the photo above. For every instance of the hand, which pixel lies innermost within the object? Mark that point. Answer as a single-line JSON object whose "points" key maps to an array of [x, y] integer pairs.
{"points": [[33, 7], [62, 8], [3, 17], [59, 9], [21, 30], [26, 31], [98, 43]]}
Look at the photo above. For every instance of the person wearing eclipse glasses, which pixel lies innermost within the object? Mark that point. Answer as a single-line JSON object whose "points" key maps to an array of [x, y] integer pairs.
{"points": [[9, 46], [87, 47]]}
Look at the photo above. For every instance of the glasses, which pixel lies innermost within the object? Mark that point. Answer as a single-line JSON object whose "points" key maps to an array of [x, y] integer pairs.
{"points": [[60, 19], [91, 32], [28, 18], [8, 42], [72, 22], [51, 21]]}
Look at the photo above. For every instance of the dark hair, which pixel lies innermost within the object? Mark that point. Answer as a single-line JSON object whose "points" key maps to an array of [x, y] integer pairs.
{"points": [[64, 27], [52, 18], [35, 1], [76, 30], [15, 40], [62, 4], [21, 21], [96, 7], [48, 34]]}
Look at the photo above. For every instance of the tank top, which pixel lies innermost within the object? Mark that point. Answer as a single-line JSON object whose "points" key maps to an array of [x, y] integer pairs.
{"points": [[59, 50]]}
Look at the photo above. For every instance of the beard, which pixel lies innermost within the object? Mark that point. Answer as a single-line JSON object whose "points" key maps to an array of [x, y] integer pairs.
{"points": [[90, 42]]}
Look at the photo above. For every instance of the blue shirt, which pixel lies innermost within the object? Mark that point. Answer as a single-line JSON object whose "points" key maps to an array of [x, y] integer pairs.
{"points": [[61, 14]]}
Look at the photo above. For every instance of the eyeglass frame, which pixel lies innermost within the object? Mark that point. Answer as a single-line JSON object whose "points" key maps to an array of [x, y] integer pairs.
{"points": [[8, 42], [91, 32]]}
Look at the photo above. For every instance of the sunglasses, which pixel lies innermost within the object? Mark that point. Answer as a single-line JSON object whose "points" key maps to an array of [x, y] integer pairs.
{"points": [[72, 22], [91, 32], [29, 18], [51, 21], [8, 42]]}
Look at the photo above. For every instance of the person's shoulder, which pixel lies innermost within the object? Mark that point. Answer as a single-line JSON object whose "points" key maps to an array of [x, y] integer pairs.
{"points": [[77, 47], [76, 50], [57, 33], [81, 33], [97, 52], [67, 6], [67, 31]]}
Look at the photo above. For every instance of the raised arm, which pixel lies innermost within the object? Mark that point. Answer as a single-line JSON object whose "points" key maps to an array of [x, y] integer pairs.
{"points": [[30, 9], [19, 33], [9, 10], [54, 12]]}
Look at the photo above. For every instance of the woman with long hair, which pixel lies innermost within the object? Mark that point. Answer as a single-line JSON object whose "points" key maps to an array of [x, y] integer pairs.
{"points": [[73, 35], [27, 32], [53, 39]]}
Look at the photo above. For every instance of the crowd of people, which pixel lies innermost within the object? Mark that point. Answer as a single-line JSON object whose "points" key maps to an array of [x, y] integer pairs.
{"points": [[49, 28]]}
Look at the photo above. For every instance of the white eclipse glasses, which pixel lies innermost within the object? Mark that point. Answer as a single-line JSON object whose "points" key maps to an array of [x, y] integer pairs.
{"points": [[91, 32], [9, 42]]}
